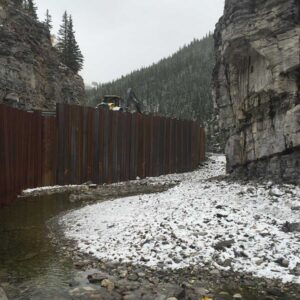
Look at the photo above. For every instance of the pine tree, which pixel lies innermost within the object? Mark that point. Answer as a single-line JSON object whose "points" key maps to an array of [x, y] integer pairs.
{"points": [[32, 10], [25, 5], [173, 87], [62, 44], [75, 57], [18, 3], [48, 20], [67, 46]]}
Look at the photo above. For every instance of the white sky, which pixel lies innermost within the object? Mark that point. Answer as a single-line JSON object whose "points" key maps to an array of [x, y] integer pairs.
{"points": [[119, 36]]}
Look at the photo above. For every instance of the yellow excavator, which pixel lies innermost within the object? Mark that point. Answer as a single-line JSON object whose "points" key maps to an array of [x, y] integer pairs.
{"points": [[117, 103]]}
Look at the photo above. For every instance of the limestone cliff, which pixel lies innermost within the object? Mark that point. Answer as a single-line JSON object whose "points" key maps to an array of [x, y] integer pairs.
{"points": [[30, 71], [257, 86]]}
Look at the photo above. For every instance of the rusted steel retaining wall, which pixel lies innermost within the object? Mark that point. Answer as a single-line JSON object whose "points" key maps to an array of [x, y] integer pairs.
{"points": [[83, 144]]}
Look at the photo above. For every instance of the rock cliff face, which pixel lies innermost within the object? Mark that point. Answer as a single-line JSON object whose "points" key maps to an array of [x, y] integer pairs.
{"points": [[257, 87], [30, 71]]}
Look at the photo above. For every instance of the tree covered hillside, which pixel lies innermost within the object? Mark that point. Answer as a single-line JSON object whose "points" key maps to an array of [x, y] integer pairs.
{"points": [[178, 86]]}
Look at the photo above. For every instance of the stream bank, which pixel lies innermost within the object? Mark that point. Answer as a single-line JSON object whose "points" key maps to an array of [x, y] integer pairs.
{"points": [[39, 261]]}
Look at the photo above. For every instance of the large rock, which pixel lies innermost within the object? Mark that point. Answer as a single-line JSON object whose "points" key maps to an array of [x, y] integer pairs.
{"points": [[30, 71], [257, 86]]}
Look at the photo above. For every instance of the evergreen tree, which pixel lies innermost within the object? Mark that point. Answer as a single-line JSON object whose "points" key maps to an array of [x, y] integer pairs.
{"points": [[25, 5], [75, 57], [62, 44], [48, 20], [31, 9], [178, 86], [67, 46], [18, 3]]}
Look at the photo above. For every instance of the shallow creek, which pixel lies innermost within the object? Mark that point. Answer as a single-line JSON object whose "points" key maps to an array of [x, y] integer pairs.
{"points": [[33, 267], [30, 266]]}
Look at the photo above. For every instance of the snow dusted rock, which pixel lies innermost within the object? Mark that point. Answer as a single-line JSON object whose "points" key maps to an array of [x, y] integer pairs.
{"points": [[223, 245], [166, 230], [276, 192], [283, 262], [256, 87], [291, 227]]}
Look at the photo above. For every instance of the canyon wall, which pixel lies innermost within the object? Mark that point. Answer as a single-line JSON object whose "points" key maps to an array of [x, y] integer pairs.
{"points": [[256, 87], [31, 74]]}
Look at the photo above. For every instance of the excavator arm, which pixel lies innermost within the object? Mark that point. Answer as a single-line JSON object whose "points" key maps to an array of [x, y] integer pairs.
{"points": [[132, 100]]}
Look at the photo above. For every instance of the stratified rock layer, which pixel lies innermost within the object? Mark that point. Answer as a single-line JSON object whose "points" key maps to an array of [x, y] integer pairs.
{"points": [[256, 87], [30, 71]]}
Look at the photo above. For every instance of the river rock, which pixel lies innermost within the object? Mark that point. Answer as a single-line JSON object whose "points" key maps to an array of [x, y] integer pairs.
{"points": [[296, 208], [256, 87], [97, 277], [222, 245], [109, 285], [291, 227], [283, 262], [276, 192]]}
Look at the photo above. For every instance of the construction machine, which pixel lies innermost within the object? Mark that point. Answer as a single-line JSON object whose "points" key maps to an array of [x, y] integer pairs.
{"points": [[117, 103]]}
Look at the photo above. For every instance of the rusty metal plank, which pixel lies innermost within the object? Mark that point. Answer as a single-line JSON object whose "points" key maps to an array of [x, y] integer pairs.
{"points": [[106, 126], [96, 147], [90, 130], [82, 144], [2, 159], [128, 145], [80, 147], [49, 151], [73, 148], [101, 145], [110, 148], [162, 146], [120, 134], [203, 144], [140, 147], [147, 142], [121, 147], [133, 152], [84, 113], [114, 141], [60, 154]]}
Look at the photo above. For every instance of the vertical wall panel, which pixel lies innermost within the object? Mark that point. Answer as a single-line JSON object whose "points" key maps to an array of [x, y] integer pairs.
{"points": [[83, 144]]}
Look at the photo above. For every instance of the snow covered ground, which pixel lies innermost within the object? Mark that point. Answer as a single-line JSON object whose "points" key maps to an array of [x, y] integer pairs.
{"points": [[231, 226], [55, 188]]}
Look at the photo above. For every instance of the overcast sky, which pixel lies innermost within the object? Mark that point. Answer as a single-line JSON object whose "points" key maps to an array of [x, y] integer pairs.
{"points": [[119, 36]]}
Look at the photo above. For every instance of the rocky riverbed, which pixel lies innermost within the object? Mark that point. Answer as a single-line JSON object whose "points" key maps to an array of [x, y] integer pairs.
{"points": [[107, 280], [31, 266], [206, 238]]}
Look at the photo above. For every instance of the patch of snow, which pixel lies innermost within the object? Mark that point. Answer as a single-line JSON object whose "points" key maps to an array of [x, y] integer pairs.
{"points": [[188, 224], [51, 189]]}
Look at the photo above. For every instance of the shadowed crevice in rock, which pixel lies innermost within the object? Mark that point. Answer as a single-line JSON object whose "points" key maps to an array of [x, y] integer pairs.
{"points": [[256, 87]]}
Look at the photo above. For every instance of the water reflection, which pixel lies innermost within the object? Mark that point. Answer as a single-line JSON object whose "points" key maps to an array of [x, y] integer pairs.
{"points": [[27, 257]]}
